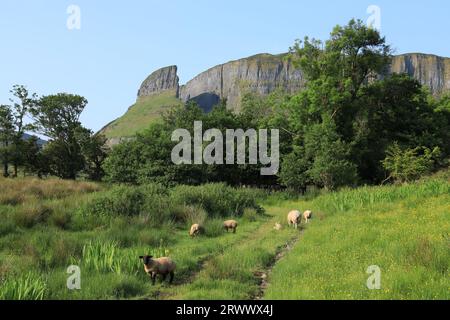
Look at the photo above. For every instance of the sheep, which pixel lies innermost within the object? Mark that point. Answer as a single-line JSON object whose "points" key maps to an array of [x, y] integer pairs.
{"points": [[196, 229], [162, 266], [230, 225], [294, 218], [307, 215]]}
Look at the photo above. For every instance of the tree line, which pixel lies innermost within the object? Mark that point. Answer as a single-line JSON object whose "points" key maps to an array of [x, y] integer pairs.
{"points": [[353, 124], [72, 150]]}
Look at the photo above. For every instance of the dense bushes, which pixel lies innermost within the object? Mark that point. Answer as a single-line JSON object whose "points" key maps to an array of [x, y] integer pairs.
{"points": [[185, 204]]}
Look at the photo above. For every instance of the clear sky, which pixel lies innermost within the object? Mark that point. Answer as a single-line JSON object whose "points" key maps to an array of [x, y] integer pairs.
{"points": [[121, 42]]}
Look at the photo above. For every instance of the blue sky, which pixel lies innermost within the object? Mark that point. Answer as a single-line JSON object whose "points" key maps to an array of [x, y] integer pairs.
{"points": [[120, 43]]}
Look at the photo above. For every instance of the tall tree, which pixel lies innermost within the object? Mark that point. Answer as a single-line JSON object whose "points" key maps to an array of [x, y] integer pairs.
{"points": [[22, 105], [6, 136], [58, 117]]}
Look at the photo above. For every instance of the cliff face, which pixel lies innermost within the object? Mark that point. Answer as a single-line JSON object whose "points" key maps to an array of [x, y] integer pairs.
{"points": [[260, 74], [161, 80], [264, 73], [430, 70]]}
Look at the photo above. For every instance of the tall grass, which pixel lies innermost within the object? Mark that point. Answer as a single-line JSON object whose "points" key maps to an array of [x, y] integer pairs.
{"points": [[17, 191], [27, 287]]}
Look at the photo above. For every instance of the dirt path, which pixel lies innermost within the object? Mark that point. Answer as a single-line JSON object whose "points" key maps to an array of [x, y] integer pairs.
{"points": [[263, 276]]}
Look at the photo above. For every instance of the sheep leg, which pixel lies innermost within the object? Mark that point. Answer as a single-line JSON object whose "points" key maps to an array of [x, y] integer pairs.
{"points": [[234, 230], [153, 278], [172, 275]]}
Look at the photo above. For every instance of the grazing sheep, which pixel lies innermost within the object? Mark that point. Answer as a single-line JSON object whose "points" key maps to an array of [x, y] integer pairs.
{"points": [[196, 229], [278, 226], [230, 225], [162, 266], [307, 215], [294, 218]]}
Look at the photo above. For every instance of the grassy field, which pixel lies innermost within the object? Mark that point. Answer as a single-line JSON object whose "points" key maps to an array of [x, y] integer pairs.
{"points": [[145, 111], [403, 230], [46, 226]]}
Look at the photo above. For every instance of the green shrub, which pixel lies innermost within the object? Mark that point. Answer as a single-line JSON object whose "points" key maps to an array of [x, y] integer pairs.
{"points": [[213, 228], [406, 165], [61, 219], [119, 201], [218, 200], [31, 214]]}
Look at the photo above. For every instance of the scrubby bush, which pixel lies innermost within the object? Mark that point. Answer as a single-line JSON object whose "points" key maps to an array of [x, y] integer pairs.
{"points": [[119, 201], [218, 200], [32, 213], [213, 228]]}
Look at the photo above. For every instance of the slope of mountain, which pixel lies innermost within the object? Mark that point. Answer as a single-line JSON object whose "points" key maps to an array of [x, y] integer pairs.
{"points": [[262, 74]]}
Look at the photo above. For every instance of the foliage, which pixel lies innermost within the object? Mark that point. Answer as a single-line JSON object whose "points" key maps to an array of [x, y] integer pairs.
{"points": [[410, 164]]}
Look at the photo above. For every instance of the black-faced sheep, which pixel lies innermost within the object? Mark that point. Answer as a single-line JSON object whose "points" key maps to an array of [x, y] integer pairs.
{"points": [[163, 266], [230, 225], [196, 230], [307, 215], [294, 218]]}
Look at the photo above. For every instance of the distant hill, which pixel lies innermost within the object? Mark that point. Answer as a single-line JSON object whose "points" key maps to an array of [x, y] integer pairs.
{"points": [[40, 141], [262, 74]]}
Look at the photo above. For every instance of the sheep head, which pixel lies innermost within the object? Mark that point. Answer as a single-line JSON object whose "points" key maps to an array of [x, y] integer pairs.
{"points": [[147, 259]]}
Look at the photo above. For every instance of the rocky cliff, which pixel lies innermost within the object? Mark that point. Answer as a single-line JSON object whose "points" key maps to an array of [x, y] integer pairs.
{"points": [[260, 74], [432, 71], [264, 73], [159, 81]]}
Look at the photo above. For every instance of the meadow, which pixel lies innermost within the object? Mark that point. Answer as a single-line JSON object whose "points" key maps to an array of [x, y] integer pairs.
{"points": [[48, 225]]}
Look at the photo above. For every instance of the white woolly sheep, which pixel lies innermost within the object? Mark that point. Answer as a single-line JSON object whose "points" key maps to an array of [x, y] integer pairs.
{"points": [[307, 215], [230, 225], [163, 266], [294, 218], [196, 229]]}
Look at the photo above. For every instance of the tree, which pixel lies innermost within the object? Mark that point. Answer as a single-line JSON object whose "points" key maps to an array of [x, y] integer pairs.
{"points": [[94, 151], [331, 167], [21, 107], [6, 136], [406, 165], [57, 117]]}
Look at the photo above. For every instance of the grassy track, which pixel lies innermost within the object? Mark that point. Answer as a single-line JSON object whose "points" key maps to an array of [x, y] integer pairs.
{"points": [[234, 273]]}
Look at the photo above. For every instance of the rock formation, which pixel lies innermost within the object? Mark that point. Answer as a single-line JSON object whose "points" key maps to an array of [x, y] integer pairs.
{"points": [[161, 80], [264, 73]]}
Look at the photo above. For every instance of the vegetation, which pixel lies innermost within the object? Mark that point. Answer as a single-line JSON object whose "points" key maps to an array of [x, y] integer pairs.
{"points": [[339, 131], [144, 112], [48, 225], [340, 136], [401, 229]]}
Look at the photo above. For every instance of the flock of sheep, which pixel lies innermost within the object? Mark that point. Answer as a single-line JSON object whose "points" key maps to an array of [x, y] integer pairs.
{"points": [[165, 266]]}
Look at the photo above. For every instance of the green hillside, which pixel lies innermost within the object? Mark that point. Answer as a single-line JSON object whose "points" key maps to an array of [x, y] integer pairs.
{"points": [[145, 111]]}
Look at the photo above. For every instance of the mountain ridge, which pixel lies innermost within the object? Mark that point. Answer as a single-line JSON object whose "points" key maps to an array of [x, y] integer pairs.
{"points": [[262, 74]]}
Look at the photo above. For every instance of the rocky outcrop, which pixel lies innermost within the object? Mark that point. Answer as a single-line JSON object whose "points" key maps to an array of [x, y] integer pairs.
{"points": [[430, 70], [263, 73], [161, 80], [260, 74]]}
